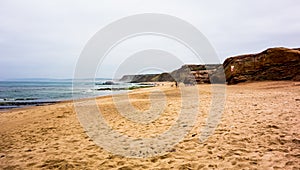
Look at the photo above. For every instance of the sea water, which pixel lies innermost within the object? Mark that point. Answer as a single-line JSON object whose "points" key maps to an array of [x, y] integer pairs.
{"points": [[20, 93]]}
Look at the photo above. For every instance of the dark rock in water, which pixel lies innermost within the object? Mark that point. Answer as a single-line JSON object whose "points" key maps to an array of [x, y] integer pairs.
{"points": [[108, 83], [271, 64], [23, 99], [13, 104]]}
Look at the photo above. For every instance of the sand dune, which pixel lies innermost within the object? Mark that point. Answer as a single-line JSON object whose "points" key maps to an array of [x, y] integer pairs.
{"points": [[259, 129]]}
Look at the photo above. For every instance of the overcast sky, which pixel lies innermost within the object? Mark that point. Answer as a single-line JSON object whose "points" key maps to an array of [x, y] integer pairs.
{"points": [[43, 39]]}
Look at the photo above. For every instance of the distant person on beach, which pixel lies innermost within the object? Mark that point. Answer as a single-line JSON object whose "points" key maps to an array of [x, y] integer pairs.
{"points": [[176, 84]]}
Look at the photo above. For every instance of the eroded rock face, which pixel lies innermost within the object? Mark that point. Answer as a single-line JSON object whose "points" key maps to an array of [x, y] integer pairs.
{"points": [[271, 64], [192, 73], [188, 74], [138, 78]]}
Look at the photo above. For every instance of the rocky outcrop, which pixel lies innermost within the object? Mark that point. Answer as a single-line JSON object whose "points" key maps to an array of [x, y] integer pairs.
{"points": [[127, 78], [188, 74], [271, 64], [192, 73], [141, 78], [217, 76], [147, 78]]}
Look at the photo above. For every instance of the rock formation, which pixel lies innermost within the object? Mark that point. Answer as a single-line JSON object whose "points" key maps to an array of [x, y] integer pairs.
{"points": [[188, 74], [271, 64], [147, 78]]}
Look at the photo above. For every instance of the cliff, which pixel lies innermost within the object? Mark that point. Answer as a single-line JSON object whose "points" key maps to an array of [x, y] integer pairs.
{"points": [[192, 73], [271, 64], [189, 74]]}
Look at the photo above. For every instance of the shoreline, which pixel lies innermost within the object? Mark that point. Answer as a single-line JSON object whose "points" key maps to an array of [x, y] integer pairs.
{"points": [[162, 84], [259, 129], [20, 94], [31, 104]]}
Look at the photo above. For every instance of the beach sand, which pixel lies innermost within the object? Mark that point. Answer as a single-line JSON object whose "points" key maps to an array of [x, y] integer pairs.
{"points": [[259, 129]]}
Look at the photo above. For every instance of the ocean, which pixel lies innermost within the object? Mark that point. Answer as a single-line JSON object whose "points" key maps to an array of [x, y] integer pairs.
{"points": [[29, 92]]}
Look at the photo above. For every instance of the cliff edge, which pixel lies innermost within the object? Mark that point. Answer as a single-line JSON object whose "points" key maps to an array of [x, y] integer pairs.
{"points": [[271, 64]]}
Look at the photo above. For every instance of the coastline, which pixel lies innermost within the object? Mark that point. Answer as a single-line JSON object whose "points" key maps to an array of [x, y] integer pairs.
{"points": [[259, 129], [20, 94]]}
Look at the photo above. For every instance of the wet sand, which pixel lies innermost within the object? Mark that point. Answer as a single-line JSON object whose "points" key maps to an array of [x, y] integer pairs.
{"points": [[259, 129]]}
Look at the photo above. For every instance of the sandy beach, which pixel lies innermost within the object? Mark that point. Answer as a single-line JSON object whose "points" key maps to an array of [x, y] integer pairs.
{"points": [[259, 129]]}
